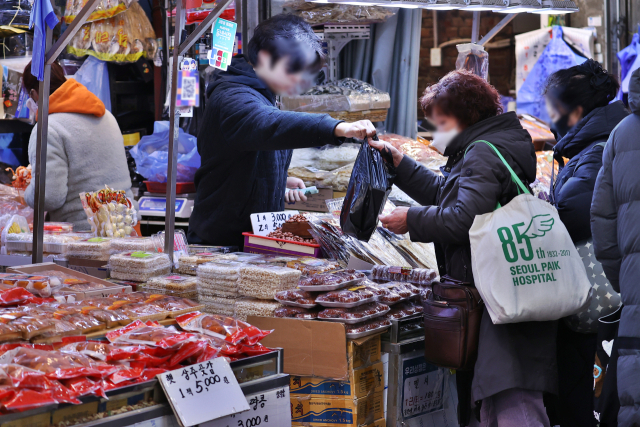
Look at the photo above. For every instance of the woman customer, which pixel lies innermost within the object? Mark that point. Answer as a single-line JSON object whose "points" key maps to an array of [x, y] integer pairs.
{"points": [[578, 102], [516, 362], [85, 148], [616, 240]]}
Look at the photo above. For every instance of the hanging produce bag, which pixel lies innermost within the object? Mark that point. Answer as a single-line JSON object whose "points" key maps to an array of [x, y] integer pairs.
{"points": [[105, 9], [525, 265], [369, 186]]}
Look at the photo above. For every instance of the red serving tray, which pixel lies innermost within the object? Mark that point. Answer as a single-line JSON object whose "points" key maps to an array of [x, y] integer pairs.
{"points": [[161, 187]]}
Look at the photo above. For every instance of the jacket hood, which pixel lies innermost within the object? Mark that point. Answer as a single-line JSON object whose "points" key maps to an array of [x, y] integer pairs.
{"points": [[74, 97], [634, 92], [595, 127], [241, 72], [506, 133]]}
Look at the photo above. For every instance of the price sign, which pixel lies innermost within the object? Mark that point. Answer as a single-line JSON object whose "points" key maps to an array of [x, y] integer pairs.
{"points": [[203, 392], [269, 409], [423, 388], [267, 222]]}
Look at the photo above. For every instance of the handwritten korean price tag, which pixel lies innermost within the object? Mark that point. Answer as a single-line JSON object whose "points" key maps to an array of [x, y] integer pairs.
{"points": [[203, 392], [267, 222], [271, 408]]}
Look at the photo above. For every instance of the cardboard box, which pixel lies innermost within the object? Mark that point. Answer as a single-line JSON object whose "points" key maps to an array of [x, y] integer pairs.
{"points": [[73, 412], [91, 267], [332, 412], [362, 383], [110, 288], [315, 202], [312, 348], [40, 420], [364, 352]]}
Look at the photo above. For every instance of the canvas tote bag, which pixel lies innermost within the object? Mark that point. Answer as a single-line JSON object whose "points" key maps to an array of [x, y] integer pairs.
{"points": [[525, 265]]}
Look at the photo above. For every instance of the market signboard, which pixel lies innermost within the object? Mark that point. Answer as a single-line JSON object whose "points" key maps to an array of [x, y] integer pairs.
{"points": [[423, 388]]}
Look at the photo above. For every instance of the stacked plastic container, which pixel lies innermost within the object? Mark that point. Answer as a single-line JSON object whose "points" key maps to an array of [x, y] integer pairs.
{"points": [[97, 248], [139, 266]]}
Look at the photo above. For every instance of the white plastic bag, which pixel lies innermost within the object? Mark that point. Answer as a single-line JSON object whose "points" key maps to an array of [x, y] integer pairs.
{"points": [[525, 265]]}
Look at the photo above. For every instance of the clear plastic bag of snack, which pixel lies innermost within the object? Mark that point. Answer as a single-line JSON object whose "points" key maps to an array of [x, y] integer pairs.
{"points": [[132, 244], [109, 212], [105, 9], [150, 333], [174, 282], [139, 261], [56, 365], [309, 265], [264, 281], [351, 297], [170, 303], [84, 322], [31, 326], [356, 314], [222, 327], [84, 386], [297, 313], [297, 298]]}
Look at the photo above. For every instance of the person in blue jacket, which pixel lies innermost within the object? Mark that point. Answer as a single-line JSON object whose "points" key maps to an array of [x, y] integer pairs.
{"points": [[246, 142], [579, 104]]}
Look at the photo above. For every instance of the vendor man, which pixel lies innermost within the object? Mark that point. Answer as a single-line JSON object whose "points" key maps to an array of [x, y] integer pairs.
{"points": [[246, 141]]}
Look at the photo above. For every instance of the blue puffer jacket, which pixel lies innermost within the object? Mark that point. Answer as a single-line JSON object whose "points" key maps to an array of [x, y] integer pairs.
{"points": [[245, 143], [615, 223], [574, 184]]}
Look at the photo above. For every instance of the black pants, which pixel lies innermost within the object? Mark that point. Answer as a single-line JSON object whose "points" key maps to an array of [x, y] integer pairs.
{"points": [[576, 356]]}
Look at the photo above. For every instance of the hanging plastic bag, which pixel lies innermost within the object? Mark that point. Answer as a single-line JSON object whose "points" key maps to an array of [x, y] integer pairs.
{"points": [[94, 76], [369, 186], [152, 152], [472, 57], [105, 9]]}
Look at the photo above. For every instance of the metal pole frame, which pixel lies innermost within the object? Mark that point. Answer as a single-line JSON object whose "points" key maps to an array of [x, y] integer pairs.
{"points": [[475, 27], [174, 125], [495, 30], [43, 124]]}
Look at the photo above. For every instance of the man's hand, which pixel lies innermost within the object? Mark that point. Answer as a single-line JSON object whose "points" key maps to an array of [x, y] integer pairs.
{"points": [[360, 129], [396, 221], [292, 195]]}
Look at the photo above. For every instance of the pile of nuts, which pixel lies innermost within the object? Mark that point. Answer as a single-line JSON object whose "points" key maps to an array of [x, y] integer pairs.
{"points": [[279, 234]]}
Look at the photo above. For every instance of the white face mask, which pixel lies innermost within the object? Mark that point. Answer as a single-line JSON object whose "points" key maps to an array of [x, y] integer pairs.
{"points": [[33, 108], [442, 139]]}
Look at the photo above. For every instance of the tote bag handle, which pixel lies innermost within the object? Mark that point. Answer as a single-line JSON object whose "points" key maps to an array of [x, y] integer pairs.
{"points": [[522, 188]]}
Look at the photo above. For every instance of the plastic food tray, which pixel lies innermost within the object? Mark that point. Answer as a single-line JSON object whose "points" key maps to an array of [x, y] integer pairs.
{"points": [[334, 304], [367, 333], [331, 287], [359, 320], [295, 304]]}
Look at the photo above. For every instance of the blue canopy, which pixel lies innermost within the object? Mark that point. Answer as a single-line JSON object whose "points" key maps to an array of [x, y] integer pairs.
{"points": [[556, 56]]}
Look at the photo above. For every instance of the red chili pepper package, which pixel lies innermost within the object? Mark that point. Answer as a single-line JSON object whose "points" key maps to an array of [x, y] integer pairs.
{"points": [[190, 349], [154, 335], [232, 330], [6, 393], [19, 376], [255, 350], [96, 349], [125, 374], [82, 386], [14, 296], [151, 373], [29, 399], [57, 365]]}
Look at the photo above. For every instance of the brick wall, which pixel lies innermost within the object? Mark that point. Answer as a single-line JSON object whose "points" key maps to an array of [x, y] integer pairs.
{"points": [[455, 24]]}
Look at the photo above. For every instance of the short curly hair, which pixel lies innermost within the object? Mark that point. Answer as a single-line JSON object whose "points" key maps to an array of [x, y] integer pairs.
{"points": [[462, 94]]}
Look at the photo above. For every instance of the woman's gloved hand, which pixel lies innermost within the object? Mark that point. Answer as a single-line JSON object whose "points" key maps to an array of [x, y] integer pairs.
{"points": [[396, 221], [293, 195], [385, 147]]}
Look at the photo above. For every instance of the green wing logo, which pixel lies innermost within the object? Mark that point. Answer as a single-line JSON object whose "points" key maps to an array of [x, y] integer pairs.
{"points": [[539, 226]]}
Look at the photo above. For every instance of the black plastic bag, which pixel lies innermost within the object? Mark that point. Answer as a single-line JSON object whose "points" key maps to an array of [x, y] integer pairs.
{"points": [[369, 186]]}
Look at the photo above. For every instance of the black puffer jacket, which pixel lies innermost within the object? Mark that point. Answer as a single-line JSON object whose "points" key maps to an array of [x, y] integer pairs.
{"points": [[245, 143], [516, 355], [573, 187], [615, 223]]}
